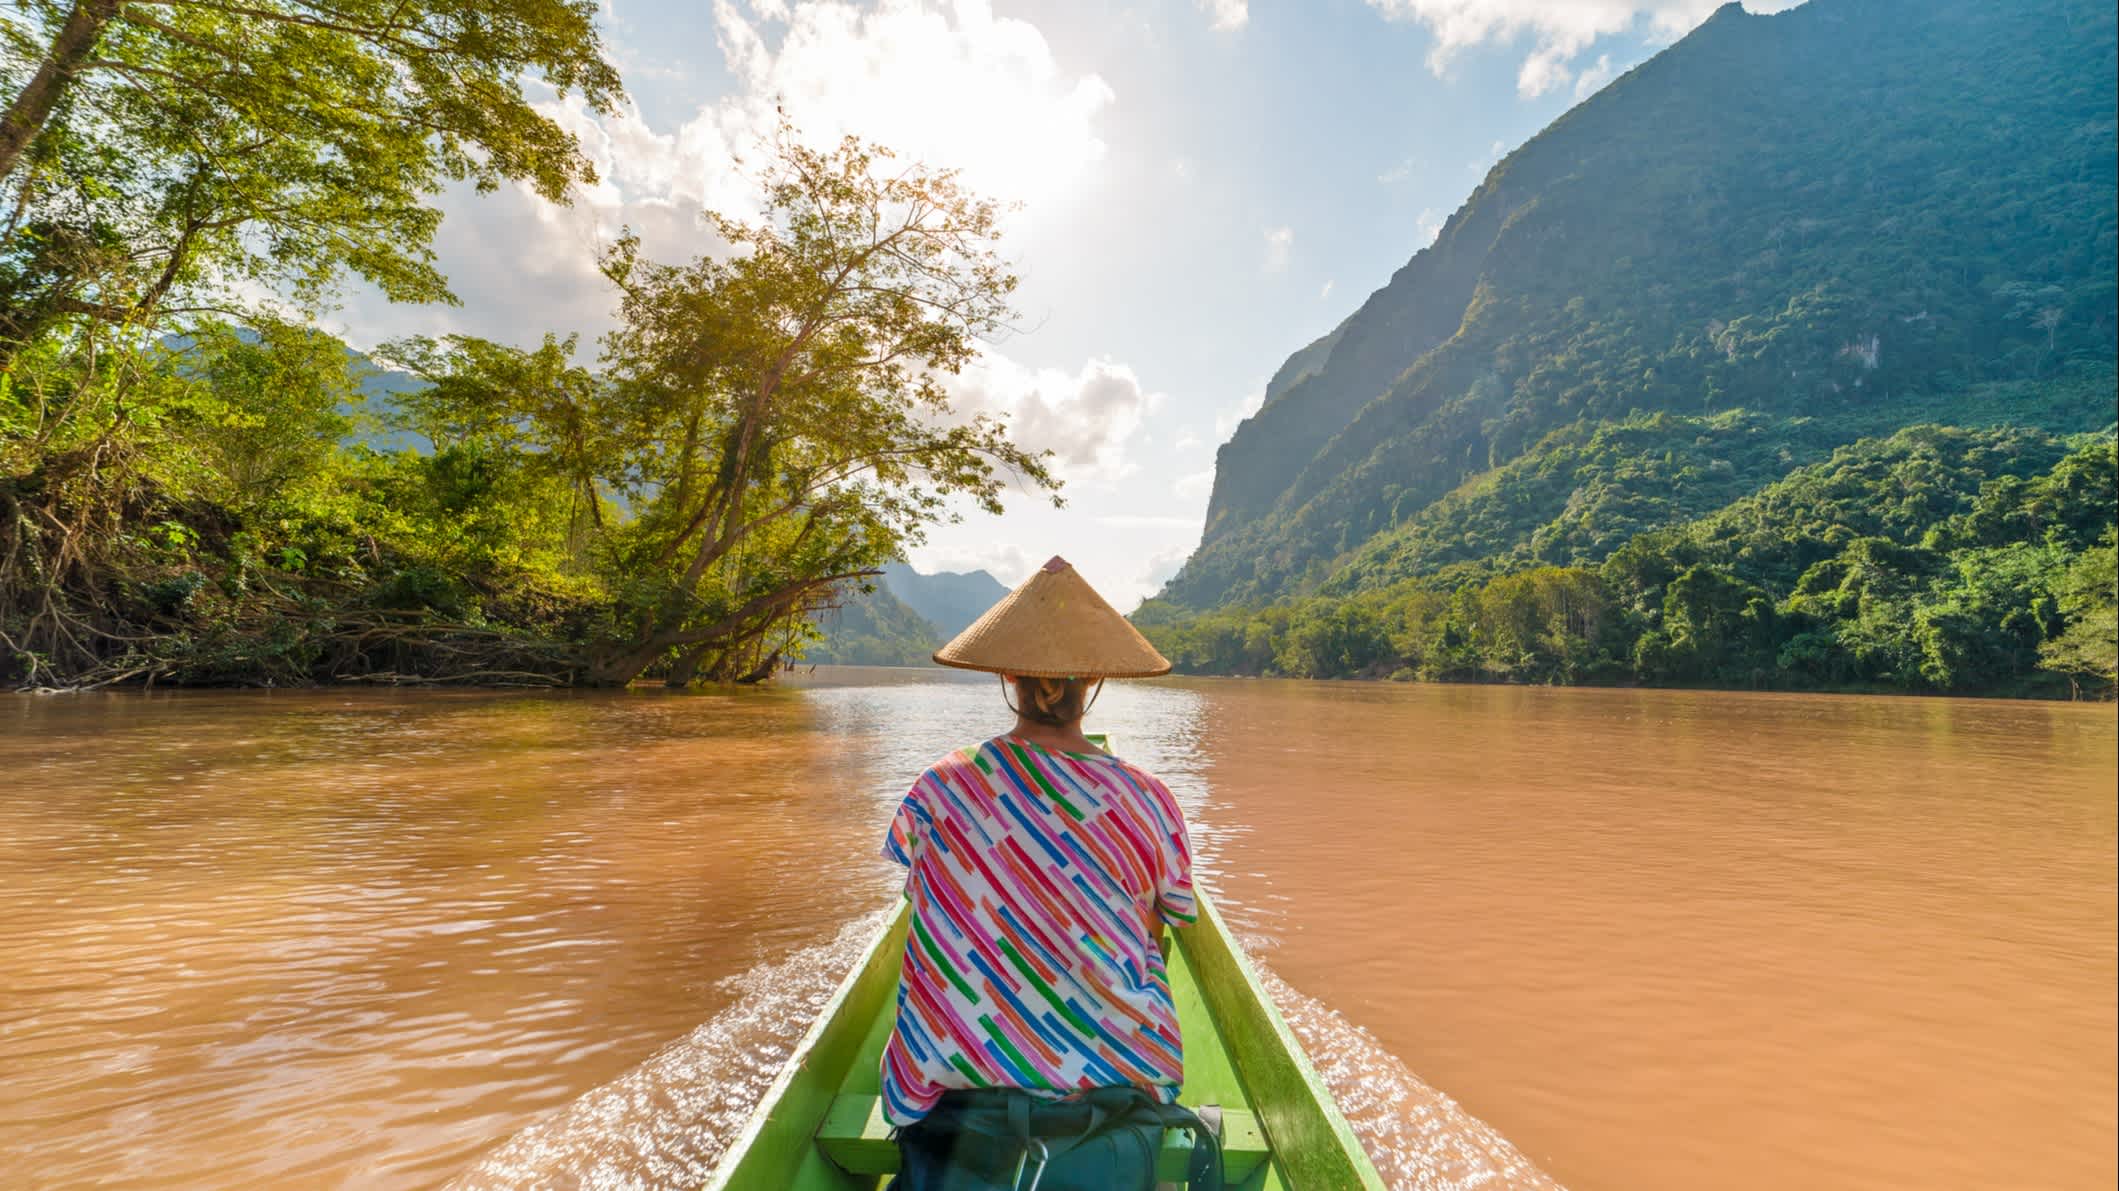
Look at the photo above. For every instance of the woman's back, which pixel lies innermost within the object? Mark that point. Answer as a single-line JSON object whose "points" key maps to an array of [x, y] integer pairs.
{"points": [[1039, 880]]}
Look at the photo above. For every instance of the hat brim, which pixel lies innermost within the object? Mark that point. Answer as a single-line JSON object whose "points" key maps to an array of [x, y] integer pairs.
{"points": [[1054, 625], [1032, 672]]}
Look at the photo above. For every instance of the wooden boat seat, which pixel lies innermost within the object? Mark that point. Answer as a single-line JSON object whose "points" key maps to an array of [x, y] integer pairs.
{"points": [[857, 1140]]}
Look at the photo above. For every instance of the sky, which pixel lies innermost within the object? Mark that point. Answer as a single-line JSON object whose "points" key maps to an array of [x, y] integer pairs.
{"points": [[1204, 186]]}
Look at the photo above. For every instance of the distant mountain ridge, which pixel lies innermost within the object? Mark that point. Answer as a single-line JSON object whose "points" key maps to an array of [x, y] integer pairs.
{"points": [[872, 628], [1841, 219], [948, 600], [905, 618]]}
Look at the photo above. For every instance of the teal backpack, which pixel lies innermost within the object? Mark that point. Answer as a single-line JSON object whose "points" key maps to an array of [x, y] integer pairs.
{"points": [[1100, 1139]]}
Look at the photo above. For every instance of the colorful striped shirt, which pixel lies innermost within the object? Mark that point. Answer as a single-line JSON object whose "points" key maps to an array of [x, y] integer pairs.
{"points": [[1036, 880]]}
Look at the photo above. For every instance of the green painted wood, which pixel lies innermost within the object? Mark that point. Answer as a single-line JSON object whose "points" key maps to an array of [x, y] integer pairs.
{"points": [[819, 1126], [775, 1149], [1313, 1146]]}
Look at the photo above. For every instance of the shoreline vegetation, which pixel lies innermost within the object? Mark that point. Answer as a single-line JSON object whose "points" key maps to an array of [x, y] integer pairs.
{"points": [[1937, 560], [198, 487]]}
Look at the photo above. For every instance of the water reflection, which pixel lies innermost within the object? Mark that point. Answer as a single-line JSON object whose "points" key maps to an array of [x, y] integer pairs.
{"points": [[1857, 942]]}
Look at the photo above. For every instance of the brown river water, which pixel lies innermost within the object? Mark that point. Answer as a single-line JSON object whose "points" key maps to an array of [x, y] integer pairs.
{"points": [[1601, 939]]}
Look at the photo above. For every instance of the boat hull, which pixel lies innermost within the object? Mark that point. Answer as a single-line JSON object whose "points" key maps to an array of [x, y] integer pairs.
{"points": [[1283, 1129]]}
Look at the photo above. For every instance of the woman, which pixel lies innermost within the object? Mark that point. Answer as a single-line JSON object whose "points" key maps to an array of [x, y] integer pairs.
{"points": [[1035, 1042]]}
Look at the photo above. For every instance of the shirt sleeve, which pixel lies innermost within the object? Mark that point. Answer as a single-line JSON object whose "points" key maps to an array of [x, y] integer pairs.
{"points": [[1173, 895], [908, 828]]}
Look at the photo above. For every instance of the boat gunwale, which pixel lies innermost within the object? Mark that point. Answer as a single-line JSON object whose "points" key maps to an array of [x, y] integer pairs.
{"points": [[741, 1147], [1283, 1121], [1217, 961]]}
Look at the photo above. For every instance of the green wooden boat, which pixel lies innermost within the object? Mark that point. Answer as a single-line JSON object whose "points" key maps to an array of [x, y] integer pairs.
{"points": [[820, 1126]]}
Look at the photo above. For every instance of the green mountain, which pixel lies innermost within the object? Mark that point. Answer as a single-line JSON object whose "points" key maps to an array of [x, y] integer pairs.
{"points": [[1781, 236], [904, 618], [949, 600], [873, 628], [1840, 211]]}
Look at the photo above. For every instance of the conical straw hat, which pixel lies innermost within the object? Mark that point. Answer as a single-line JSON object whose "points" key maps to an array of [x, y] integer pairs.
{"points": [[1054, 625]]}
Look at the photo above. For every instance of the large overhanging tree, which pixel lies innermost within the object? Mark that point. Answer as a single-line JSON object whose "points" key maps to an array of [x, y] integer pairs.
{"points": [[768, 425], [163, 161], [151, 146]]}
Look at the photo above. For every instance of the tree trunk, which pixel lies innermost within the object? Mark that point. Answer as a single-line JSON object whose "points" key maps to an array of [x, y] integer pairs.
{"points": [[686, 668], [32, 108], [762, 671], [619, 665]]}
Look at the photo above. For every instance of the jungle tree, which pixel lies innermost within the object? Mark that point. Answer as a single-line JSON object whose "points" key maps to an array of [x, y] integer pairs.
{"points": [[768, 425]]}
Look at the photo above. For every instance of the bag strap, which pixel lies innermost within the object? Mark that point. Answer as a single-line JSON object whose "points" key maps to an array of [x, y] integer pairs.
{"points": [[1107, 1108], [1203, 1172]]}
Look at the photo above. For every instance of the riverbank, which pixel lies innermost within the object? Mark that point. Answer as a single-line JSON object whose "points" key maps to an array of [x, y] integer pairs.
{"points": [[1936, 561], [2051, 689]]}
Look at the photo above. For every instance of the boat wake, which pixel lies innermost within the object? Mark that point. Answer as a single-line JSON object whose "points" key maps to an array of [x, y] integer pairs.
{"points": [[666, 1122], [1419, 1138]]}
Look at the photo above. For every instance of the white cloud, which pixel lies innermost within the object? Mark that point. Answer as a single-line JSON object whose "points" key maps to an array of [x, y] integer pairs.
{"points": [[1280, 242], [1547, 68], [1195, 487], [1087, 419], [1326, 292], [1148, 521], [1427, 227], [1227, 16], [1558, 30], [1018, 124], [1186, 441], [1159, 568], [1594, 77], [1398, 173], [960, 88], [1005, 561], [523, 266]]}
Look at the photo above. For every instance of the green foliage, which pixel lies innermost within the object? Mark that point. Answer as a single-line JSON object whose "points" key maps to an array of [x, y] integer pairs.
{"points": [[1781, 235], [2088, 649], [1937, 559], [181, 498], [154, 153], [873, 627], [1770, 365], [1324, 639], [233, 505], [770, 423]]}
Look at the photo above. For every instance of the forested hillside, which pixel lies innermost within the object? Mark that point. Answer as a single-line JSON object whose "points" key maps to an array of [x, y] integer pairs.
{"points": [[1936, 559], [901, 617], [872, 628], [1758, 259], [948, 600]]}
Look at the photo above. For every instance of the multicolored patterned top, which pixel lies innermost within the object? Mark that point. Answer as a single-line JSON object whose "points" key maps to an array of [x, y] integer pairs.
{"points": [[1036, 880]]}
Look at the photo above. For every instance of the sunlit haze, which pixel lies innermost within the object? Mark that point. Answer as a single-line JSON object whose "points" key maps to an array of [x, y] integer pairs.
{"points": [[1204, 187]]}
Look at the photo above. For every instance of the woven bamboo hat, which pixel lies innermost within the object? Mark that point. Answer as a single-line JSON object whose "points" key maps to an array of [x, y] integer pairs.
{"points": [[1054, 625]]}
